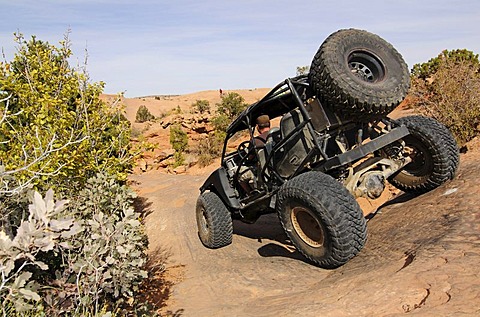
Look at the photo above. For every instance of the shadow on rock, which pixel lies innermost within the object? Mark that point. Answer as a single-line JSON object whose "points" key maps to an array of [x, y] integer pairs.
{"points": [[157, 288], [142, 206], [268, 227], [276, 250]]}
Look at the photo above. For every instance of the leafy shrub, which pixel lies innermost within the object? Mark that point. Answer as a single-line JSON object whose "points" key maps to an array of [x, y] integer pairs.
{"points": [[232, 105], [210, 148], [179, 142], [201, 106], [220, 122], [176, 110], [426, 70], [19, 257], [79, 256], [447, 88], [143, 114], [51, 110], [109, 253]]}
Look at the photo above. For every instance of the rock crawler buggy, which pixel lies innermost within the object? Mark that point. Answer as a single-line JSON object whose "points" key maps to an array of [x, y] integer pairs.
{"points": [[334, 143]]}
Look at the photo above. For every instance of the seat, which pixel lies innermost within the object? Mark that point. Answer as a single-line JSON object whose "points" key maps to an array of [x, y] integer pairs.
{"points": [[264, 152], [294, 151]]}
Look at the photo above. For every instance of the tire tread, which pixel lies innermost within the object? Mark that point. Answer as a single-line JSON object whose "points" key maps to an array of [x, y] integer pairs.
{"points": [[341, 216], [441, 145], [342, 93], [220, 221]]}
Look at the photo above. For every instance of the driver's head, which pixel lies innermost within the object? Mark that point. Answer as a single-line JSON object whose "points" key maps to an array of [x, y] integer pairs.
{"points": [[263, 123]]}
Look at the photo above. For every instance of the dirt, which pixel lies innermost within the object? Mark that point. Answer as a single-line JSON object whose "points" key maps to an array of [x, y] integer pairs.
{"points": [[421, 256]]}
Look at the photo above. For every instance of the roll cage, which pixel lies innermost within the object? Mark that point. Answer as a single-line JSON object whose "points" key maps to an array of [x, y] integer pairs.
{"points": [[328, 142]]}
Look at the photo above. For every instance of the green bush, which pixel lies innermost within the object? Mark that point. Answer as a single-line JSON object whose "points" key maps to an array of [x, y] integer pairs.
{"points": [[232, 105], [108, 256], [201, 106], [210, 148], [220, 122], [447, 88], [176, 110], [51, 110], [76, 256], [143, 115], [83, 253], [426, 70], [179, 142]]}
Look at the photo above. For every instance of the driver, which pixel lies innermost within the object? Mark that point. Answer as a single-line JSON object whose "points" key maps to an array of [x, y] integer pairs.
{"points": [[246, 174], [263, 127]]}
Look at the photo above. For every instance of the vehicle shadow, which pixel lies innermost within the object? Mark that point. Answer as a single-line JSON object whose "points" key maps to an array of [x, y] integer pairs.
{"points": [[268, 227]]}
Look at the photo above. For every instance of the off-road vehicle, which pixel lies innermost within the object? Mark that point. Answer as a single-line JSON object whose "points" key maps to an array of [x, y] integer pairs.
{"points": [[334, 143]]}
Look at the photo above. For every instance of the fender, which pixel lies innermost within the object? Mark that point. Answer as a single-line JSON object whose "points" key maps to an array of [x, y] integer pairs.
{"points": [[218, 182]]}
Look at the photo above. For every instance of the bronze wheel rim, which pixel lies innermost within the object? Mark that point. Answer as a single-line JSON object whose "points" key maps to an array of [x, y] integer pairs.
{"points": [[307, 226]]}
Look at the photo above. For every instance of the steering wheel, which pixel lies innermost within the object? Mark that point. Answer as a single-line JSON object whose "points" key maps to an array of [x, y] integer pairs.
{"points": [[243, 149]]}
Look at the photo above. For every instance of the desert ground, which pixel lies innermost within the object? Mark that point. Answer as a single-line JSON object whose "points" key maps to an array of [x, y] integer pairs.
{"points": [[421, 257]]}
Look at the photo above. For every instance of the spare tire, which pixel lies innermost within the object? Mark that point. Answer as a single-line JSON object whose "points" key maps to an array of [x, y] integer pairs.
{"points": [[359, 75]]}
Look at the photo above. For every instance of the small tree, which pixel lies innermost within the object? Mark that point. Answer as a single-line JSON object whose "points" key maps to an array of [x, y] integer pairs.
{"points": [[232, 105], [143, 115], [54, 125], [209, 148], [426, 70], [447, 88], [179, 142], [220, 122], [201, 106]]}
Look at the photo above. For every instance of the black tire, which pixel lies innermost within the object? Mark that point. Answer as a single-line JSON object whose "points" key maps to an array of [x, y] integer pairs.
{"points": [[434, 152], [322, 219], [214, 221], [359, 75]]}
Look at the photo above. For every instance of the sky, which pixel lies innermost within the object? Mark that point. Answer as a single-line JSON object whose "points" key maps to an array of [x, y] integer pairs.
{"points": [[146, 47]]}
